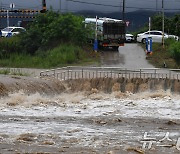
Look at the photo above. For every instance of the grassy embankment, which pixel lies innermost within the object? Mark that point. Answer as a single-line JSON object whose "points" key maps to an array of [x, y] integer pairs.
{"points": [[61, 55], [168, 57]]}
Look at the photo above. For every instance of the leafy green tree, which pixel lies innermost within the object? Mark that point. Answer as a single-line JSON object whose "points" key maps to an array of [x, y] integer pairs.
{"points": [[50, 29], [176, 24], [171, 24]]}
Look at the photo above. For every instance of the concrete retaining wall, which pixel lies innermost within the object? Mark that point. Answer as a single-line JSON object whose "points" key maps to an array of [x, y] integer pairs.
{"points": [[134, 85]]}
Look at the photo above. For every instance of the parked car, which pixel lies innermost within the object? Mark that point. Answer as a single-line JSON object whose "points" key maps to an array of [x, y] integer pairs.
{"points": [[10, 31], [129, 38], [155, 35]]}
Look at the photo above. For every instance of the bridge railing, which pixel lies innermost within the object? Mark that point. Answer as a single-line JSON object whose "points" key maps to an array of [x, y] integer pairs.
{"points": [[74, 72]]}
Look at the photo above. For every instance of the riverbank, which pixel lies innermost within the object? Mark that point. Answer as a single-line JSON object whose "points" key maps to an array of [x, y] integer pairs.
{"points": [[50, 86]]}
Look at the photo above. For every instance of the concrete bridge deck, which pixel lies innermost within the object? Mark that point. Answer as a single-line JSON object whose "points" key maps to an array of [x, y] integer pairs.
{"points": [[73, 72]]}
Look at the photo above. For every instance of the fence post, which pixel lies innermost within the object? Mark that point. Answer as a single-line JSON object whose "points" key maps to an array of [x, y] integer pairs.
{"points": [[169, 74], [54, 73], [61, 76], [82, 73], [126, 73], [68, 74]]}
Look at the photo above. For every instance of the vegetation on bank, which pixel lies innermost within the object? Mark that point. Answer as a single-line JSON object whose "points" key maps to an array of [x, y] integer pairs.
{"points": [[8, 71], [167, 57], [51, 40], [62, 55]]}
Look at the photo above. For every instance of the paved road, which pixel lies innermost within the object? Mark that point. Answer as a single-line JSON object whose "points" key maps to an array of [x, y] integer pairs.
{"points": [[130, 56]]}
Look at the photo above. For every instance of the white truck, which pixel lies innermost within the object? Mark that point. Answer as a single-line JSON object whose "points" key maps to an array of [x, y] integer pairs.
{"points": [[110, 32]]}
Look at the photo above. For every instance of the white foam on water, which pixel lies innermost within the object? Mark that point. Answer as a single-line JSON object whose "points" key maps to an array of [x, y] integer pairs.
{"points": [[79, 105], [154, 105]]}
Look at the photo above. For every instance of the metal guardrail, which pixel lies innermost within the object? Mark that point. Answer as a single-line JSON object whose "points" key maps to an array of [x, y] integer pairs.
{"points": [[73, 72]]}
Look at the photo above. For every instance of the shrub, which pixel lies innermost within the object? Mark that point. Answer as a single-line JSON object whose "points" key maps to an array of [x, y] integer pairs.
{"points": [[59, 56], [169, 41], [9, 45], [174, 49], [64, 54]]}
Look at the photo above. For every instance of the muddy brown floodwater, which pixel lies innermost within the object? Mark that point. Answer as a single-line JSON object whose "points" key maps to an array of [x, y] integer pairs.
{"points": [[90, 122]]}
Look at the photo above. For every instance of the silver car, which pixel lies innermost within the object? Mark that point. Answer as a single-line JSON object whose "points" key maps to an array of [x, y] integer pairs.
{"points": [[10, 31], [129, 38], [155, 35]]}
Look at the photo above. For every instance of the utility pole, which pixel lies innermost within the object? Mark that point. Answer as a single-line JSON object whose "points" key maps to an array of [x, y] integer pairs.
{"points": [[0, 18], [123, 12], [66, 7], [163, 23], [156, 6], [59, 6], [44, 5], [96, 40], [149, 24], [7, 18]]}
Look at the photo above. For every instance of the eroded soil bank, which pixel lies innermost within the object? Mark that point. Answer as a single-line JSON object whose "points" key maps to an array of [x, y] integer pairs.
{"points": [[11, 84]]}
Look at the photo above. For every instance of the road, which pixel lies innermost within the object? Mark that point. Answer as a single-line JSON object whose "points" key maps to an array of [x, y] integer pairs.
{"points": [[130, 56]]}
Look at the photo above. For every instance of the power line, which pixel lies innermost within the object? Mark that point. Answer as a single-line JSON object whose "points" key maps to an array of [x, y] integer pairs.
{"points": [[91, 3], [6, 6], [128, 7]]}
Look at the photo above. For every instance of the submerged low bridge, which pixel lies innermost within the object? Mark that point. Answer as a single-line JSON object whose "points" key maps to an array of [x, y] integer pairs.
{"points": [[74, 72]]}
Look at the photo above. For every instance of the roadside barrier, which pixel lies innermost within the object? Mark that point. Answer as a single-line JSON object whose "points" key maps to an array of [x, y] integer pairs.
{"points": [[73, 72]]}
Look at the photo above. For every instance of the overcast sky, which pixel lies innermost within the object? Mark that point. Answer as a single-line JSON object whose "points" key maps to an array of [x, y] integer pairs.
{"points": [[97, 5]]}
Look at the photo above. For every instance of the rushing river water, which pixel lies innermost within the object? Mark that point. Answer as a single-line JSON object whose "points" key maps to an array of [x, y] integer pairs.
{"points": [[96, 123]]}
